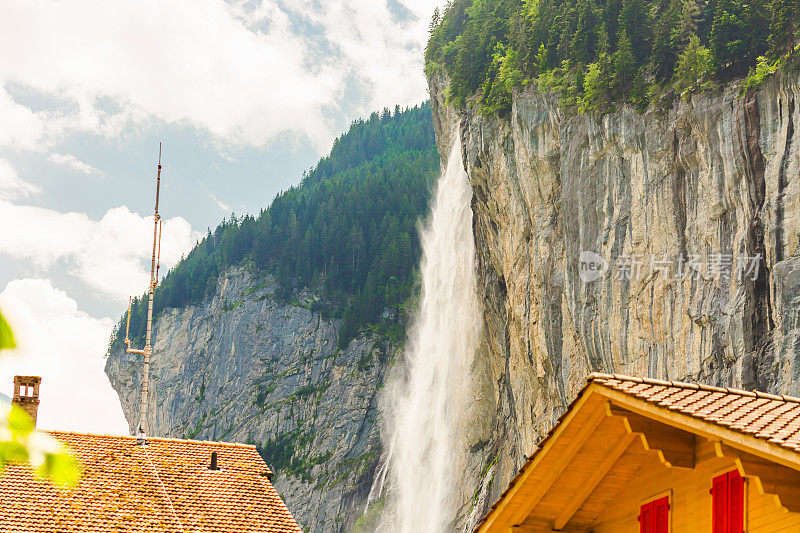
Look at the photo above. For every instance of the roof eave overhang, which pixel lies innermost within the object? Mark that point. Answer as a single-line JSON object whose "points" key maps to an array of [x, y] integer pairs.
{"points": [[496, 516], [735, 439]]}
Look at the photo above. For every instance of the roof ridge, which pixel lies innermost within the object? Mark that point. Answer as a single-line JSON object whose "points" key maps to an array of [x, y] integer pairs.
{"points": [[67, 432], [695, 386], [155, 439], [207, 442]]}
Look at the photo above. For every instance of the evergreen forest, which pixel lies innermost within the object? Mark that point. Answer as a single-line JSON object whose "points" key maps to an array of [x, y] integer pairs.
{"points": [[348, 231], [595, 53]]}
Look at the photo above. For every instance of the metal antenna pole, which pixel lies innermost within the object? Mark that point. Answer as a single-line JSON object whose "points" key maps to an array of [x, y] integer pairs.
{"points": [[148, 349]]}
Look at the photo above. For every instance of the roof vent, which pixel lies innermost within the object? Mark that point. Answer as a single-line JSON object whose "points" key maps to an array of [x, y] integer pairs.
{"points": [[213, 465]]}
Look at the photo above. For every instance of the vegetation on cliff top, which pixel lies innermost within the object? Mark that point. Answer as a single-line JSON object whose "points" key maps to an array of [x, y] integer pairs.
{"points": [[596, 52], [348, 229]]}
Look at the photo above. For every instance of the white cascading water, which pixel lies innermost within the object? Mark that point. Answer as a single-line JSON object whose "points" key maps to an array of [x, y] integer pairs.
{"points": [[427, 405]]}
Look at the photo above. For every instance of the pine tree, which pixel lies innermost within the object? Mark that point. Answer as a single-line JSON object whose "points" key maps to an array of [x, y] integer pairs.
{"points": [[666, 41], [585, 37], [688, 24], [634, 20], [738, 36], [597, 85], [784, 24], [757, 21], [694, 64], [624, 64], [435, 19], [541, 60], [727, 37]]}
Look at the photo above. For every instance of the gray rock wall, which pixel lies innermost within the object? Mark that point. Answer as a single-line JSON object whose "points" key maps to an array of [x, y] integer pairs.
{"points": [[245, 367], [714, 180]]}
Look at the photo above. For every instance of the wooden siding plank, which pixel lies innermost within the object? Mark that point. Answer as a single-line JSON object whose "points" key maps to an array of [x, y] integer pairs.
{"points": [[591, 483], [561, 463], [692, 503], [498, 518]]}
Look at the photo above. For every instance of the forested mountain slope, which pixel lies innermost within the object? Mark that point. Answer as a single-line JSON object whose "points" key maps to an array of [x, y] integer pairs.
{"points": [[597, 53], [278, 329], [348, 230]]}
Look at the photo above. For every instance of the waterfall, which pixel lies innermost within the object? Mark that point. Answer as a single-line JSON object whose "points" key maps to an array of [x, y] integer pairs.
{"points": [[426, 405]]}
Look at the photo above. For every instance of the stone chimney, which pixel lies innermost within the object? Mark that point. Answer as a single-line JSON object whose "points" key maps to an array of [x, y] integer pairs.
{"points": [[26, 394]]}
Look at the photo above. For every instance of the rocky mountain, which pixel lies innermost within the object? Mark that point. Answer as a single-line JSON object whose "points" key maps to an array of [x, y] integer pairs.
{"points": [[663, 244], [278, 329], [245, 366]]}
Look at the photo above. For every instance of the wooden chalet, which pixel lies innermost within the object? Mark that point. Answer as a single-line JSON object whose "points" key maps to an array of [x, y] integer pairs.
{"points": [[643, 455]]}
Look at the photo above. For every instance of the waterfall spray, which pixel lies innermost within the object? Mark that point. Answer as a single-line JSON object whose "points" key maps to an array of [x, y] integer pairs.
{"points": [[427, 405]]}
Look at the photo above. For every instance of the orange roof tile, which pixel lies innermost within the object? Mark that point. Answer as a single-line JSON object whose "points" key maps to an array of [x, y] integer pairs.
{"points": [[165, 486], [773, 418]]}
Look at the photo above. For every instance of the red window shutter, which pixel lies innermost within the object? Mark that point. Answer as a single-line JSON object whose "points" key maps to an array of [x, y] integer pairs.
{"points": [[719, 491], [646, 518], [661, 515], [736, 502]]}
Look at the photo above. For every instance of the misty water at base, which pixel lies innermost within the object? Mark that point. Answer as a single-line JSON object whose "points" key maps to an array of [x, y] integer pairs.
{"points": [[424, 403]]}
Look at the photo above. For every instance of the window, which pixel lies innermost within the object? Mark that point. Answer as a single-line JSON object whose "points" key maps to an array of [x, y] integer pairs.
{"points": [[654, 516], [728, 507]]}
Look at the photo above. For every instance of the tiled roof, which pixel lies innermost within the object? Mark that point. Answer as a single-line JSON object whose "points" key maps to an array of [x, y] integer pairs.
{"points": [[775, 419], [165, 486]]}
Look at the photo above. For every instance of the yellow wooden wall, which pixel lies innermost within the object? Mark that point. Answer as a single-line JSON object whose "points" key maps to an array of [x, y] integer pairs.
{"points": [[691, 500]]}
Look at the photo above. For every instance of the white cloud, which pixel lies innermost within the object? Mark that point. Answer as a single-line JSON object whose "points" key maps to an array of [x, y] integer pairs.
{"points": [[25, 129], [11, 185], [73, 162], [186, 60], [65, 346], [22, 128], [111, 254], [242, 73], [219, 203], [385, 54]]}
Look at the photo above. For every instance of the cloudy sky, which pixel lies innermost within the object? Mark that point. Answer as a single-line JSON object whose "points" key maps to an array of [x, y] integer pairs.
{"points": [[245, 95]]}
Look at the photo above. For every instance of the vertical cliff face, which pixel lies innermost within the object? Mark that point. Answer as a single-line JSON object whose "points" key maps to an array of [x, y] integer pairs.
{"points": [[245, 366], [664, 245]]}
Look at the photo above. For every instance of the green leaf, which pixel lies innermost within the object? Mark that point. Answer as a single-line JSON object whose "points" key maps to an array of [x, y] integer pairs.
{"points": [[61, 468], [19, 422], [6, 336], [12, 451], [45, 454]]}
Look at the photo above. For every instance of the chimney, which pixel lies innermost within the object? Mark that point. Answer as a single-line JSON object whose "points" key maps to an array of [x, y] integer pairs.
{"points": [[26, 394]]}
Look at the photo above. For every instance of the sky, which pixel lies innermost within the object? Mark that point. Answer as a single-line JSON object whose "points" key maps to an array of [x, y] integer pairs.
{"points": [[244, 96]]}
